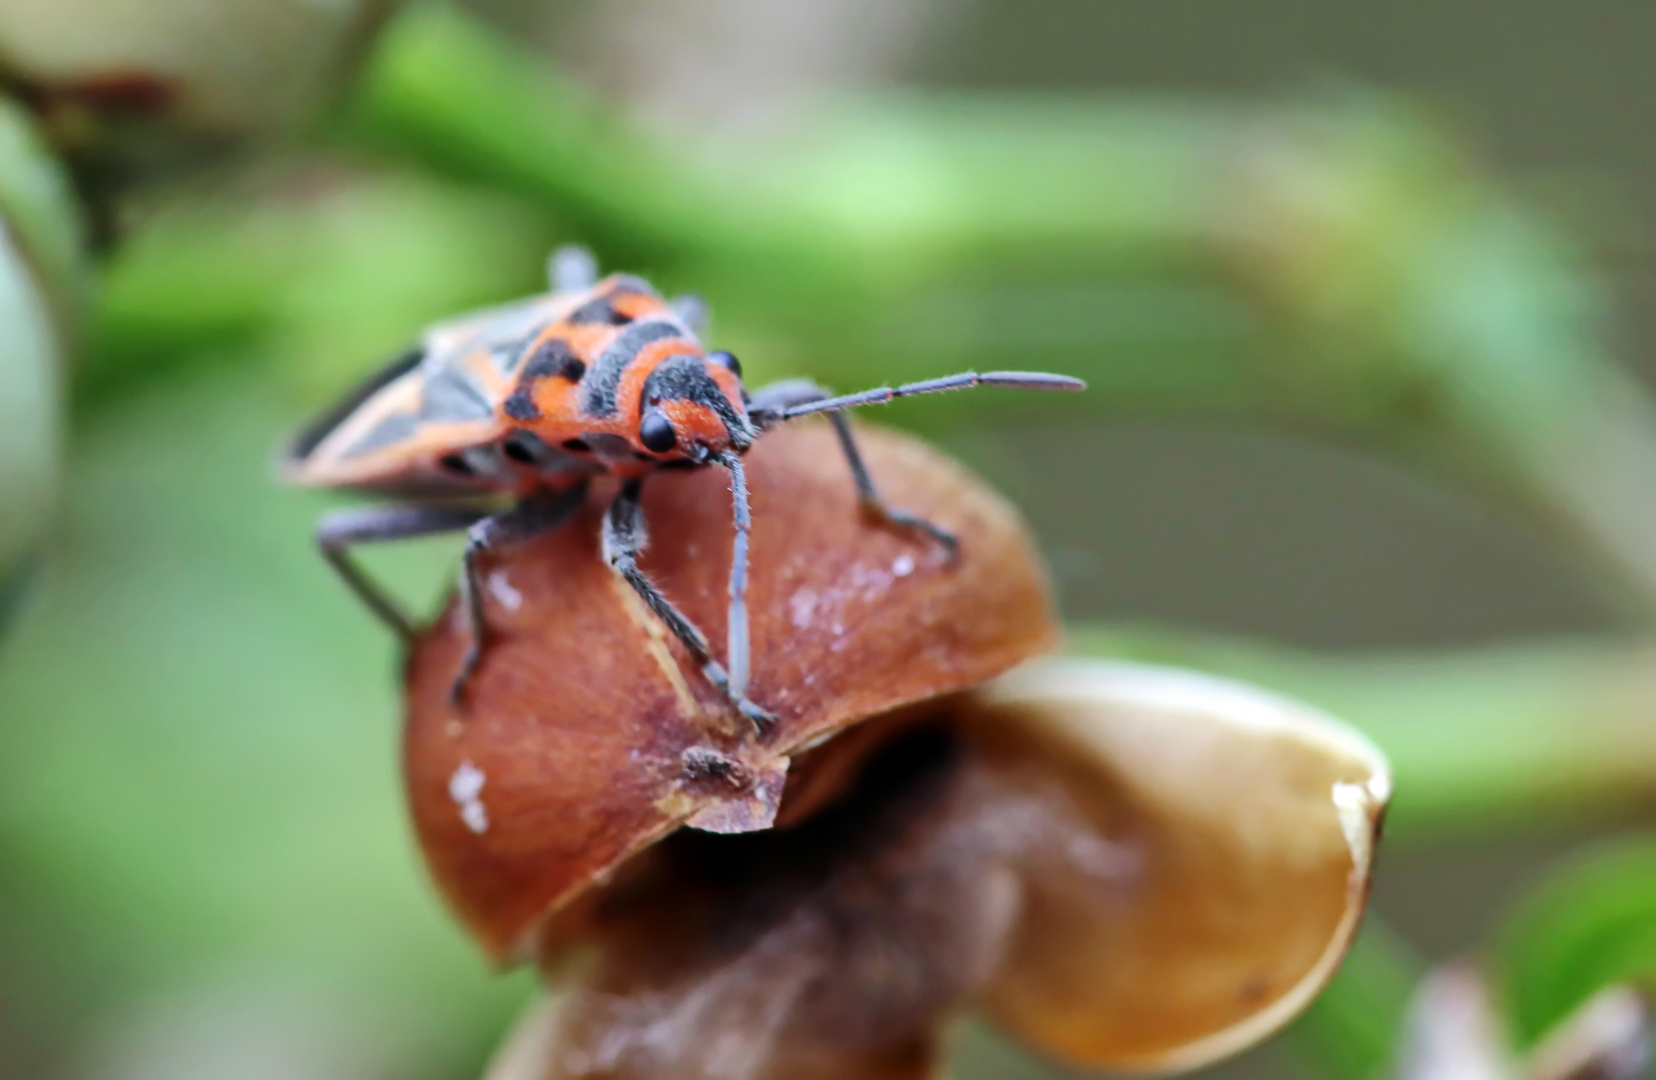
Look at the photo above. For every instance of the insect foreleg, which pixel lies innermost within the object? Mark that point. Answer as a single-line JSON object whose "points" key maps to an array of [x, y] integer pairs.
{"points": [[527, 519], [623, 541], [341, 529], [738, 647]]}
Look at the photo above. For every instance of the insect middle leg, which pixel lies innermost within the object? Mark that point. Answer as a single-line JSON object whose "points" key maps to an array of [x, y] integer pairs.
{"points": [[534, 515], [623, 542], [773, 400], [340, 530]]}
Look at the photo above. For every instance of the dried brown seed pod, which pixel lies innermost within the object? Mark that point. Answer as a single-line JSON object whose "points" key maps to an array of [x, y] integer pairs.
{"points": [[588, 734], [1125, 867]]}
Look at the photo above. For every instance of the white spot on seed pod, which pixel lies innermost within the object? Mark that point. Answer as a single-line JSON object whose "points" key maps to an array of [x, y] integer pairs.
{"points": [[465, 788], [501, 588], [803, 606]]}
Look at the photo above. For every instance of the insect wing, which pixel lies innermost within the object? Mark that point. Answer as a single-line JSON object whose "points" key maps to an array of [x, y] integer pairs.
{"points": [[437, 400]]}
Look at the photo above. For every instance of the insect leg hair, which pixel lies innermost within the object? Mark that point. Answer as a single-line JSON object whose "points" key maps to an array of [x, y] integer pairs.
{"points": [[623, 541], [341, 529], [572, 268], [534, 515], [1017, 380]]}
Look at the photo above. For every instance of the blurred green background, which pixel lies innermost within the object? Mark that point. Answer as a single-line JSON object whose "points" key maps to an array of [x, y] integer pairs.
{"points": [[1364, 297]]}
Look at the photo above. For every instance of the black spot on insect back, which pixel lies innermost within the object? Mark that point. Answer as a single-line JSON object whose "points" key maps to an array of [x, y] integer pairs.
{"points": [[521, 406], [554, 359], [599, 312]]}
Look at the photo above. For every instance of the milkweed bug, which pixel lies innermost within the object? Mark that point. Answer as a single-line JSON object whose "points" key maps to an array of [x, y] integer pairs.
{"points": [[534, 398]]}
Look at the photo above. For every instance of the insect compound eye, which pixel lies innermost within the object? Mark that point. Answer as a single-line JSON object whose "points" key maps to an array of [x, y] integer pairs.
{"points": [[727, 361], [656, 432]]}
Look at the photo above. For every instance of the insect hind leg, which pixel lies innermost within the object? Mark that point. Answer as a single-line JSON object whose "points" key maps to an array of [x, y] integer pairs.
{"points": [[537, 514], [340, 530], [623, 542]]}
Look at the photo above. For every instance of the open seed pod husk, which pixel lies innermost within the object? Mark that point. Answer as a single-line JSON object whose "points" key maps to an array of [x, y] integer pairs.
{"points": [[1243, 827], [587, 735], [1125, 867]]}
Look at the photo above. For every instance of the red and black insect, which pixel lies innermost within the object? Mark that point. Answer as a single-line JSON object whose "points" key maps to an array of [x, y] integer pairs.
{"points": [[533, 399]]}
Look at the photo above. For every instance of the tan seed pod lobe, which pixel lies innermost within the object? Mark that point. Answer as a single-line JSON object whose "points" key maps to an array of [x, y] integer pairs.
{"points": [[1248, 825]]}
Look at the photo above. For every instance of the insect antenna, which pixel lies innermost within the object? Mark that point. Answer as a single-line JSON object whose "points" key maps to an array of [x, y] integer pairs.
{"points": [[1017, 380]]}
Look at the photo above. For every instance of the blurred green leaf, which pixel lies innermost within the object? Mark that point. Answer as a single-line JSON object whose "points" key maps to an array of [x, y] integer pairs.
{"points": [[1590, 924], [1354, 1029], [198, 765]]}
